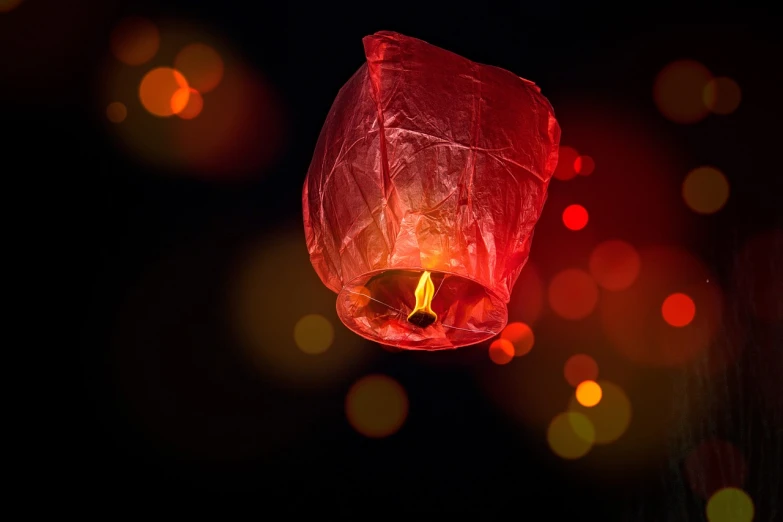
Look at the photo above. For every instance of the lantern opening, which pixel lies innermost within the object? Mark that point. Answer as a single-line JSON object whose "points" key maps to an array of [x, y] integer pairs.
{"points": [[422, 315], [383, 306]]}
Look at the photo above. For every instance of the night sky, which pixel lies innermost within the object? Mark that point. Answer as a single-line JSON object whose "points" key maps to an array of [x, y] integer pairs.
{"points": [[176, 389]]}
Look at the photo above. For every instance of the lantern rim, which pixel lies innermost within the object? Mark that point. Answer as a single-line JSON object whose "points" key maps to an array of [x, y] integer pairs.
{"points": [[488, 309]]}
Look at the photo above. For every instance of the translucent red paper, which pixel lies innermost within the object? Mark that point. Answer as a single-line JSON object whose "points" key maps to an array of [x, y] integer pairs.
{"points": [[427, 161]]}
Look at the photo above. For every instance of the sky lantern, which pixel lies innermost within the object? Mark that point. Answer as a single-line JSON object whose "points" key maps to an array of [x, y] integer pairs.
{"points": [[426, 183]]}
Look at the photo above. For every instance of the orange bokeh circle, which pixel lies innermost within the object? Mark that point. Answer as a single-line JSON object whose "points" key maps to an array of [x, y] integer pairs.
{"points": [[164, 92]]}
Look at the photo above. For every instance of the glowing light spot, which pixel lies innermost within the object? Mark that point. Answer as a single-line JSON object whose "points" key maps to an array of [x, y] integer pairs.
{"points": [[376, 406], [722, 95], [265, 329], [614, 264], [521, 336], [359, 296], [632, 319], [570, 435], [575, 217], [714, 465], [678, 91], [573, 294], [730, 505], [705, 190], [588, 393], [678, 310], [164, 92], [201, 65], [116, 112], [579, 368], [313, 334], [135, 41], [193, 105], [566, 158], [179, 100], [584, 165], [7, 6], [501, 351], [610, 417]]}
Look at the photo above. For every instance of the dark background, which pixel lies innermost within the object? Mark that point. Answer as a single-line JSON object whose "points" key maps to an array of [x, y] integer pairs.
{"points": [[159, 403]]}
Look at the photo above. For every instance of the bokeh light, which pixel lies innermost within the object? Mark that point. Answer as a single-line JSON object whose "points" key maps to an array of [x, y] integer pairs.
{"points": [[632, 319], [678, 310], [376, 406], [713, 465], [584, 165], [189, 388], [573, 294], [193, 106], [705, 190], [240, 130], [201, 65], [116, 112], [566, 158], [678, 91], [730, 505], [521, 336], [360, 296], [135, 41], [313, 334], [501, 351], [235, 131], [579, 368], [272, 288], [722, 95], [588, 393], [575, 217], [570, 435], [8, 5], [180, 99], [164, 91], [610, 417], [614, 264]]}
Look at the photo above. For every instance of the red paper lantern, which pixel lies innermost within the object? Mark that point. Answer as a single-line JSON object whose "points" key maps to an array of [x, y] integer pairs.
{"points": [[428, 165]]}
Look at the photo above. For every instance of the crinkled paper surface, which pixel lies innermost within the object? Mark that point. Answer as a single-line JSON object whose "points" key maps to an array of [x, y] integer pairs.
{"points": [[427, 161]]}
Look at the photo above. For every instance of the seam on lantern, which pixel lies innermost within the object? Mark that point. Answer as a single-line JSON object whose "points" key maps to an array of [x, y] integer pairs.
{"points": [[332, 250], [387, 185], [446, 141], [373, 216], [474, 134], [512, 162], [343, 151], [468, 196], [341, 155], [352, 238], [337, 262]]}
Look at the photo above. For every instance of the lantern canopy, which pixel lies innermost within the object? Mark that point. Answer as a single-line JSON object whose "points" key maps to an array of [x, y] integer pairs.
{"points": [[431, 165]]}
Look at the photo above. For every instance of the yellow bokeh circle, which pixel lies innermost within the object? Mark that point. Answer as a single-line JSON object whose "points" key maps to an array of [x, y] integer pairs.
{"points": [[571, 435], [730, 505], [705, 190], [313, 334], [610, 417], [376, 406]]}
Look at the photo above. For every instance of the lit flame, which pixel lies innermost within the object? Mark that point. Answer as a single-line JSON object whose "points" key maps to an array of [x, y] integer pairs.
{"points": [[422, 315]]}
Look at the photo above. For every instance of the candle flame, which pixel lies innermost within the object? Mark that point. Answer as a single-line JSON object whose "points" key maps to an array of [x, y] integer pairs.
{"points": [[422, 315]]}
